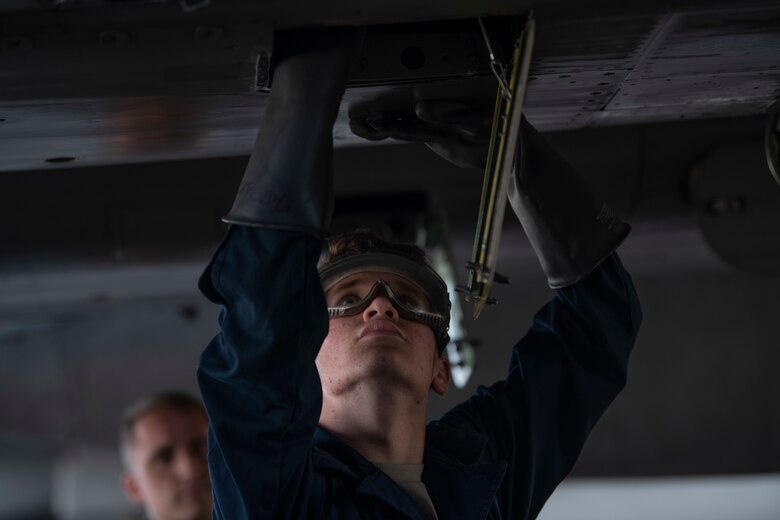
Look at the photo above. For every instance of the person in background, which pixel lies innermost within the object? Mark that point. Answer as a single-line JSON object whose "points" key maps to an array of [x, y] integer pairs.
{"points": [[162, 443]]}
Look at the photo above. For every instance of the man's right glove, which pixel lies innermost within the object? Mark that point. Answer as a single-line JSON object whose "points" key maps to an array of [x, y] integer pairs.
{"points": [[569, 230], [288, 181]]}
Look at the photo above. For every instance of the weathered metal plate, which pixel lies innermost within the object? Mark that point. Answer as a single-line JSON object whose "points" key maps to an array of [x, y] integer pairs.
{"points": [[593, 70]]}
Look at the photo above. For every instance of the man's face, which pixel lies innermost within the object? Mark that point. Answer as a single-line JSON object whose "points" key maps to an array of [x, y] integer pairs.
{"points": [[169, 473], [378, 345]]}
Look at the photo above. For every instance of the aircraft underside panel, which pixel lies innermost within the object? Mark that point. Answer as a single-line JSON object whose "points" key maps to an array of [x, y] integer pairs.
{"points": [[121, 82]]}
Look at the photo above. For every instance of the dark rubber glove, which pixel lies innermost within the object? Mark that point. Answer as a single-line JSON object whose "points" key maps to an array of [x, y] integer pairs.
{"points": [[569, 230], [288, 183], [456, 131]]}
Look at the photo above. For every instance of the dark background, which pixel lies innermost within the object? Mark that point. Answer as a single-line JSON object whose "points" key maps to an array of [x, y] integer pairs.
{"points": [[111, 190]]}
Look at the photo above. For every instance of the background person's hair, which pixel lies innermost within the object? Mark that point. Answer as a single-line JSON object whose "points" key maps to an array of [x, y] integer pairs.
{"points": [[168, 400]]}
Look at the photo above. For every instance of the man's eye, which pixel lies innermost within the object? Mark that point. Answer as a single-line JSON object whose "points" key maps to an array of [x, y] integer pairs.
{"points": [[411, 301], [348, 299], [163, 457]]}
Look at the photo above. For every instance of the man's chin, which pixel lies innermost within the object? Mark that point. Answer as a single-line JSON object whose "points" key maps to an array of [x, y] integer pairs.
{"points": [[195, 507], [389, 367], [195, 513]]}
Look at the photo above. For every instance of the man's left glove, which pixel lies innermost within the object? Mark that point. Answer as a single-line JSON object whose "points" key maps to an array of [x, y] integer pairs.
{"points": [[570, 231], [288, 183]]}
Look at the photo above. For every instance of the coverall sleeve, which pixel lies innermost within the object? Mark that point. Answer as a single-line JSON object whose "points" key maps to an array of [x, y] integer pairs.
{"points": [[257, 377], [562, 375]]}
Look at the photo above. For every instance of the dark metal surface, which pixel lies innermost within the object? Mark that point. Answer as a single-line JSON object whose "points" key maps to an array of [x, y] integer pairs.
{"points": [[589, 71]]}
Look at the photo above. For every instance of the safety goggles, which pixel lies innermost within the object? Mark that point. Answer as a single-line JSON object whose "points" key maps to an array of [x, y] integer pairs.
{"points": [[423, 298], [410, 306]]}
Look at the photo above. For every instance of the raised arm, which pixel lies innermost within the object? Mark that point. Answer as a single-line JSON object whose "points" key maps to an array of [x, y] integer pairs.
{"points": [[572, 363], [562, 376], [257, 376]]}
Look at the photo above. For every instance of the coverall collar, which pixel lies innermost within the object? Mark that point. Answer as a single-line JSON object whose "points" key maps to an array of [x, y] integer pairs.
{"points": [[459, 484]]}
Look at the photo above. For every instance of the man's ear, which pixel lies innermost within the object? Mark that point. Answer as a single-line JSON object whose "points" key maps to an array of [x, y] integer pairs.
{"points": [[441, 375], [131, 488]]}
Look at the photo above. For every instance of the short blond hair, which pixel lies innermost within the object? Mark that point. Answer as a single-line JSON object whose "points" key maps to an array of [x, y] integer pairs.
{"points": [[168, 400]]}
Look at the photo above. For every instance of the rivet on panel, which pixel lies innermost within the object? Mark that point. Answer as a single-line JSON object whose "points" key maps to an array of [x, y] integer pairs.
{"points": [[206, 33], [17, 43], [61, 159], [113, 38]]}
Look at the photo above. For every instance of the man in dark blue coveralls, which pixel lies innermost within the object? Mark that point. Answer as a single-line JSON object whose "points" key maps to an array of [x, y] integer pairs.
{"points": [[317, 385]]}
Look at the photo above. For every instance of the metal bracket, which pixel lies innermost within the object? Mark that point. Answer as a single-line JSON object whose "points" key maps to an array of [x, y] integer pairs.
{"points": [[772, 140], [498, 68]]}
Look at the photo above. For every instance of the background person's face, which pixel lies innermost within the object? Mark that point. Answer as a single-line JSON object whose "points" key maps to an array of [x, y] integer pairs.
{"points": [[169, 471]]}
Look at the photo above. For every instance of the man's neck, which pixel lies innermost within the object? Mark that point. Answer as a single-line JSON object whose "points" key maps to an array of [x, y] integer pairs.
{"points": [[384, 425]]}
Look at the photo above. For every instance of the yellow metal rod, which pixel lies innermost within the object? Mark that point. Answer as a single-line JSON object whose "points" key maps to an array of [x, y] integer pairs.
{"points": [[501, 155]]}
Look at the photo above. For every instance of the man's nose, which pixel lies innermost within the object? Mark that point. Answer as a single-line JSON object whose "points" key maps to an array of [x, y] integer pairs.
{"points": [[190, 465], [380, 306]]}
